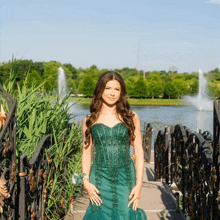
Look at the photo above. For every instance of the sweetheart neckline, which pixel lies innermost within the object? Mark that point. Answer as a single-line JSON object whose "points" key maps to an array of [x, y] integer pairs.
{"points": [[107, 125]]}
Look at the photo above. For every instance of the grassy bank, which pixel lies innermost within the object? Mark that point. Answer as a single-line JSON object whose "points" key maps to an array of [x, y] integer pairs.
{"points": [[171, 102]]}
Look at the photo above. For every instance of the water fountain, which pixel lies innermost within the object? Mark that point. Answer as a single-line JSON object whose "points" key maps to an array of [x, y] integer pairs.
{"points": [[62, 90], [201, 101]]}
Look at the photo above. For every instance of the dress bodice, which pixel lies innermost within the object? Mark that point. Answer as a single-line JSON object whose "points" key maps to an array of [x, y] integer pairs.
{"points": [[112, 145]]}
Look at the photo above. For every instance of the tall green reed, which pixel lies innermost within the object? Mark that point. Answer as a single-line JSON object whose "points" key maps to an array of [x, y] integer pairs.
{"points": [[39, 114]]}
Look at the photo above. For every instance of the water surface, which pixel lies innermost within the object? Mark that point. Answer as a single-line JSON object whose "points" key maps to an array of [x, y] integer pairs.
{"points": [[188, 116]]}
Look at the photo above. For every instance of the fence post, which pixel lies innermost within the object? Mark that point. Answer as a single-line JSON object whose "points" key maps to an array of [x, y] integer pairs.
{"points": [[166, 154], [149, 141], [21, 187], [177, 202], [171, 153]]}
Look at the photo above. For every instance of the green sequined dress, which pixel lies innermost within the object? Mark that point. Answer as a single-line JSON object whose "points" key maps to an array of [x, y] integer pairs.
{"points": [[113, 174]]}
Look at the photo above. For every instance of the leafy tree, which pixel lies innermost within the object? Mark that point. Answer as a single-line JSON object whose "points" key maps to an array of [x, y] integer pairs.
{"points": [[155, 72], [190, 76], [156, 86], [173, 75], [166, 77], [93, 67], [216, 70], [51, 75], [130, 84], [21, 68], [5, 71], [181, 86], [193, 86], [1, 81], [213, 75], [88, 86], [117, 70], [162, 72], [126, 72], [214, 89], [72, 69], [33, 78], [39, 67], [51, 78], [69, 79], [179, 76], [140, 88], [72, 86], [76, 82], [170, 90], [148, 75]]}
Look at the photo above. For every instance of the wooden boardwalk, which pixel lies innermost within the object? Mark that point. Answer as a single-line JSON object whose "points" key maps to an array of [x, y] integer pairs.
{"points": [[156, 199]]}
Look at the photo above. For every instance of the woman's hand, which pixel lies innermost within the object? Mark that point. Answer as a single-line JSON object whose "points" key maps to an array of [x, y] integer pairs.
{"points": [[136, 191], [93, 193]]}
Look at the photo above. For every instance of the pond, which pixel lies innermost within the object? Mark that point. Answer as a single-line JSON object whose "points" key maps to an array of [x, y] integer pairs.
{"points": [[188, 116]]}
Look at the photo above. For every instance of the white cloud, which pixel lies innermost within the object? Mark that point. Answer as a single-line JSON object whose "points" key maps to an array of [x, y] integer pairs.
{"points": [[214, 1]]}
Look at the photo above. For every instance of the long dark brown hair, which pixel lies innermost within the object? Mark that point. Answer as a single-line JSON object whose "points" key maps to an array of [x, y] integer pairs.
{"points": [[122, 105]]}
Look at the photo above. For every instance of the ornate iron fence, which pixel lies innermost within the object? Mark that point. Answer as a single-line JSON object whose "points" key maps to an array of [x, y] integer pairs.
{"points": [[23, 193], [191, 160], [161, 155], [8, 160], [31, 185], [147, 141]]}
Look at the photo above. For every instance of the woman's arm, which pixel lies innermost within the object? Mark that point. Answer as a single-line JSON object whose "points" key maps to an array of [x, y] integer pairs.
{"points": [[86, 154], [138, 150]]}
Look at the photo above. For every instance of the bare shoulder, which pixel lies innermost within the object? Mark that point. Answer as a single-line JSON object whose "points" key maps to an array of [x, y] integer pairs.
{"points": [[86, 117], [84, 121], [137, 123], [135, 116]]}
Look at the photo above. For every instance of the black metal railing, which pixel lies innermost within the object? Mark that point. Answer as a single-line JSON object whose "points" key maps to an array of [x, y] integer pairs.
{"points": [[188, 159], [191, 161], [147, 141], [23, 193], [161, 155], [8, 160], [31, 185]]}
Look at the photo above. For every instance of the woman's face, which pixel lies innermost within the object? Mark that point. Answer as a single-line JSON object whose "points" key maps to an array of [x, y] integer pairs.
{"points": [[112, 92]]}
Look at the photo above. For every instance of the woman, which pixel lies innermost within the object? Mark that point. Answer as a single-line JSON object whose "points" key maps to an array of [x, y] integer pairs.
{"points": [[113, 185]]}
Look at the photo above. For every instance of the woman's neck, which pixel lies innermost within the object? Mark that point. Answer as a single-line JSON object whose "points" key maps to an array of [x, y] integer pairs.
{"points": [[108, 110]]}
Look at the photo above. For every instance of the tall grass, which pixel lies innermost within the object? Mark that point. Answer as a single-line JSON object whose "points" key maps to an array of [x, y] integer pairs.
{"points": [[38, 114]]}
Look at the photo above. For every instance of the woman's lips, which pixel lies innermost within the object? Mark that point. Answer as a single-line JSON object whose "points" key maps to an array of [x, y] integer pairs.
{"points": [[111, 99]]}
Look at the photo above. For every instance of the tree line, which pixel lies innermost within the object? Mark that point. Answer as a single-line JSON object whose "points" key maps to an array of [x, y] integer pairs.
{"points": [[140, 84]]}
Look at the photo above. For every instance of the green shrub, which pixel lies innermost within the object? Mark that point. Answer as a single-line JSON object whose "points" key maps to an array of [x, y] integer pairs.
{"points": [[39, 114]]}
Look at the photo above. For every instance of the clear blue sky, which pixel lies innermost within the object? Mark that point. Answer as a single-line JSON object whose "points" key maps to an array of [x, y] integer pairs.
{"points": [[184, 34]]}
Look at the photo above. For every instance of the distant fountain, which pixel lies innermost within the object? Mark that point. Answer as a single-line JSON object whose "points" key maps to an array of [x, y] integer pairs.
{"points": [[201, 101], [62, 91]]}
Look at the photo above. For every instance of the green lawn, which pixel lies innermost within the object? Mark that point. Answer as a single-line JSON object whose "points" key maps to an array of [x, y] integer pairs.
{"points": [[139, 101]]}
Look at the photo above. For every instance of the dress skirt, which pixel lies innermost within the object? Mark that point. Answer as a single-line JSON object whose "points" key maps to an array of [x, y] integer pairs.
{"points": [[115, 185]]}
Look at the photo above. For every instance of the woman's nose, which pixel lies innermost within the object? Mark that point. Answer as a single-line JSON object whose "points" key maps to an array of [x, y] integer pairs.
{"points": [[112, 92]]}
